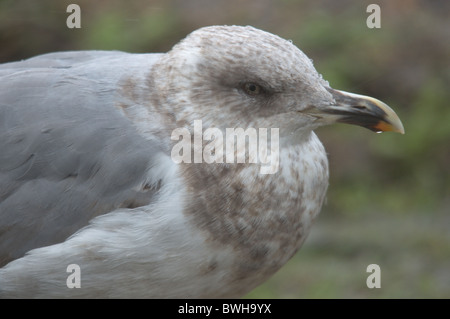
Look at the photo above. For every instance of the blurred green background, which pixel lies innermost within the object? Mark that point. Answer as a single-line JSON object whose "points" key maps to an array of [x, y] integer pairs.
{"points": [[389, 196]]}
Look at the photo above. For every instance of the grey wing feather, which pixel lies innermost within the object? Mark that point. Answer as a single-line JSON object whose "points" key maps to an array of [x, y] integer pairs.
{"points": [[67, 154], [66, 59]]}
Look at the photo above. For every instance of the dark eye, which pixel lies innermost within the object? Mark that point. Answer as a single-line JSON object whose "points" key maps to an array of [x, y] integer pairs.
{"points": [[252, 89]]}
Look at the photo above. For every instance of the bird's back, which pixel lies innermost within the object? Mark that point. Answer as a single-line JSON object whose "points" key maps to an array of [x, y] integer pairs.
{"points": [[68, 153]]}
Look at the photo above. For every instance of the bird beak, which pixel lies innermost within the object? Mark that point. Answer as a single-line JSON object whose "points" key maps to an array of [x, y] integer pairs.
{"points": [[362, 110]]}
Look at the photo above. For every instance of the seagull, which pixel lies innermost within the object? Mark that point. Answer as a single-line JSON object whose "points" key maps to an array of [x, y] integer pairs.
{"points": [[87, 176]]}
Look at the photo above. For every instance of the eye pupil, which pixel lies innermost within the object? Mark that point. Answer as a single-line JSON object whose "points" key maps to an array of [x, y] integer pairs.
{"points": [[252, 88]]}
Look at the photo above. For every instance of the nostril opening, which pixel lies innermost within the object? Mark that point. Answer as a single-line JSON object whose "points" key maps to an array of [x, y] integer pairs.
{"points": [[359, 107]]}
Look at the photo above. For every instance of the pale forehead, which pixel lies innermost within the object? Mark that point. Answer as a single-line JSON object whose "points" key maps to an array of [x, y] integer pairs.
{"points": [[236, 45], [244, 40], [238, 35]]}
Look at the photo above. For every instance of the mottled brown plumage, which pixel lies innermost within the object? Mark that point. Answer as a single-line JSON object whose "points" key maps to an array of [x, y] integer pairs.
{"points": [[138, 223]]}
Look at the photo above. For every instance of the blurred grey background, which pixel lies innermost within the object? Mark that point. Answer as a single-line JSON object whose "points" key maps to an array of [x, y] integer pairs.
{"points": [[389, 196]]}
